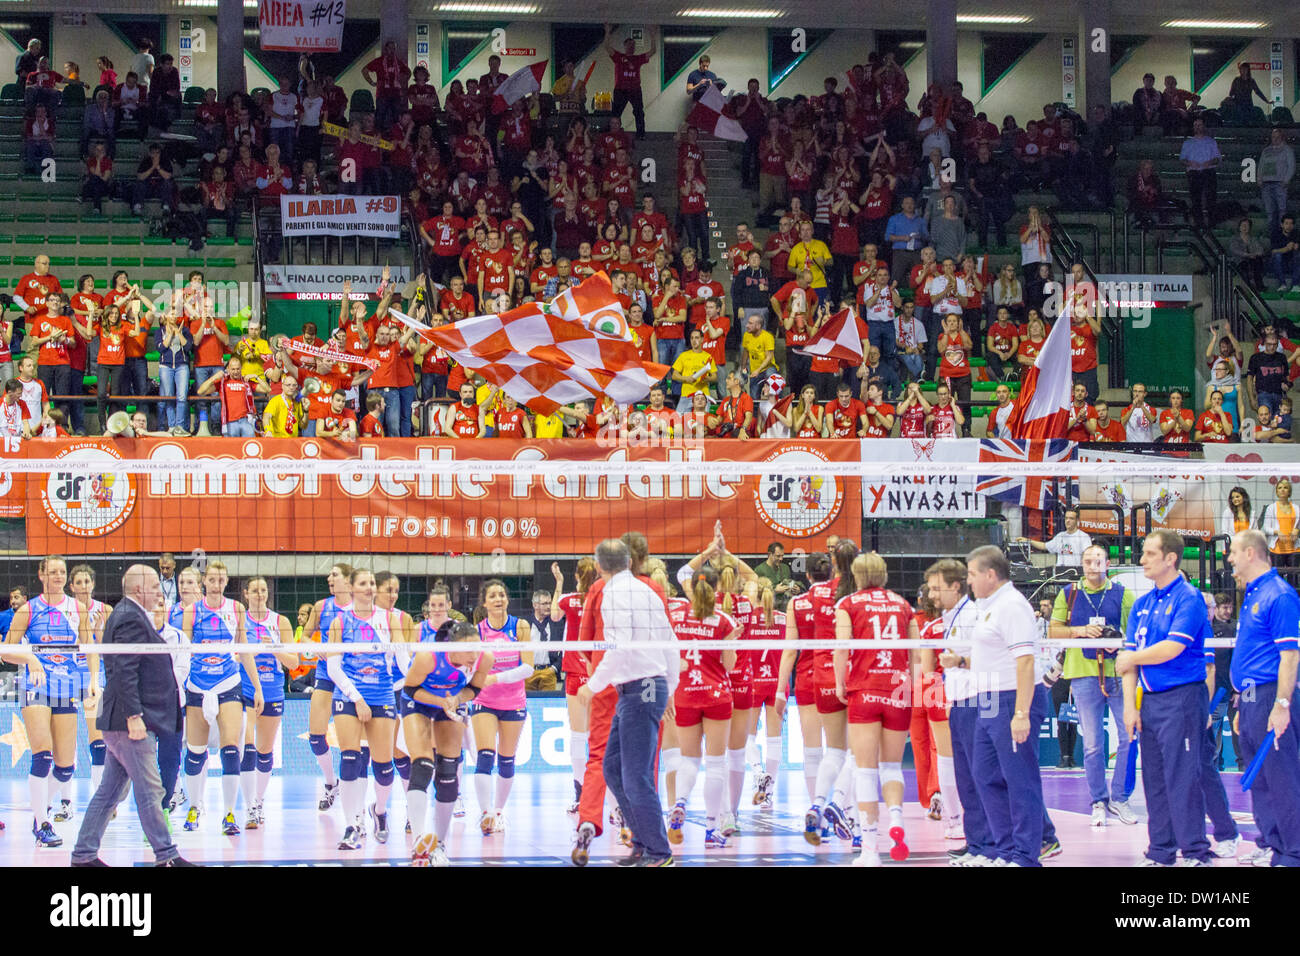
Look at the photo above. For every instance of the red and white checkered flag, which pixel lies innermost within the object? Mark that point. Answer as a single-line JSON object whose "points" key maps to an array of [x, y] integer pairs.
{"points": [[576, 347]]}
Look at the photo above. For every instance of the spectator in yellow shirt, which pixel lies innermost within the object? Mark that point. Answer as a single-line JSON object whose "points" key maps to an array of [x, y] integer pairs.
{"points": [[548, 426], [254, 352], [694, 368], [811, 254], [284, 413], [760, 354]]}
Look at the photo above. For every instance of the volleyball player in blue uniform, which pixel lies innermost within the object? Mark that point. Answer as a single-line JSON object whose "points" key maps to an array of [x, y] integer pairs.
{"points": [[214, 692], [322, 695], [81, 580], [438, 684], [363, 700], [52, 682], [262, 625], [387, 591]]}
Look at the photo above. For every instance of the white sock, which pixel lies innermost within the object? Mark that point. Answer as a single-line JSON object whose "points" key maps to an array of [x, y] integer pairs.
{"points": [[895, 816], [326, 761], [752, 757], [382, 792], [866, 784], [38, 789], [230, 790], [353, 795], [263, 781], [417, 810], [735, 778], [948, 788], [483, 790], [832, 761], [870, 839], [578, 754], [503, 791], [715, 784], [844, 781], [688, 770], [773, 757], [812, 761], [248, 787], [96, 775], [63, 789], [442, 819]]}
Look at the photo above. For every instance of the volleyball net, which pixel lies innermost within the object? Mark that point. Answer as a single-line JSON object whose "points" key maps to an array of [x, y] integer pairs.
{"points": [[473, 509]]}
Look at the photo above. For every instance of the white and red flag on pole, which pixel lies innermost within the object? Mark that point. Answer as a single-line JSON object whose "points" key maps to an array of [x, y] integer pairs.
{"points": [[1043, 408], [707, 117], [517, 85], [841, 336], [576, 347]]}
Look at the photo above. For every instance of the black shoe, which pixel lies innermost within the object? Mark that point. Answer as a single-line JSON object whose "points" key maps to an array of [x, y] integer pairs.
{"points": [[178, 861], [632, 859], [658, 861], [960, 851], [95, 862]]}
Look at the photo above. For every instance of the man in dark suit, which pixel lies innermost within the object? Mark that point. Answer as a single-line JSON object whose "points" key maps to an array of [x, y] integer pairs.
{"points": [[140, 699]]}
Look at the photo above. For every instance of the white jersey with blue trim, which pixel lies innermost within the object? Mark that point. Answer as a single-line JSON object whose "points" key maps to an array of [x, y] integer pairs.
{"points": [[371, 674], [208, 669], [269, 676]]}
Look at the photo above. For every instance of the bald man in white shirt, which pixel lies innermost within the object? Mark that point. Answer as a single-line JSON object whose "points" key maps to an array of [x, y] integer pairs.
{"points": [[632, 613]]}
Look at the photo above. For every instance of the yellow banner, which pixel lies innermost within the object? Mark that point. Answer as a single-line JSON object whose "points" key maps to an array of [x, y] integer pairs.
{"points": [[334, 129]]}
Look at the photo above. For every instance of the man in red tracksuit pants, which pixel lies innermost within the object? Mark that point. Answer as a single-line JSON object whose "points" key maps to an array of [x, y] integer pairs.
{"points": [[591, 805]]}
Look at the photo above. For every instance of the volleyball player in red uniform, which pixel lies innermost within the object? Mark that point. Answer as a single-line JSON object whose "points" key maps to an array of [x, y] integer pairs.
{"points": [[923, 750], [875, 683], [766, 624], [568, 608], [703, 704], [934, 702], [833, 710], [799, 626]]}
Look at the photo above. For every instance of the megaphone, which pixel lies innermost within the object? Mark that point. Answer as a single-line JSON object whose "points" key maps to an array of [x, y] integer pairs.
{"points": [[311, 386], [119, 424]]}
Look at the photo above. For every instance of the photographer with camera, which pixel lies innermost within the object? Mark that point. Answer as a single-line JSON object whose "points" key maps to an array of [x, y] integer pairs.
{"points": [[1097, 608]]}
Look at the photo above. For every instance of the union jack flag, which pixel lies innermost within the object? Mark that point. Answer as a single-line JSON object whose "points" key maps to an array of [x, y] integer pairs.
{"points": [[1028, 491]]}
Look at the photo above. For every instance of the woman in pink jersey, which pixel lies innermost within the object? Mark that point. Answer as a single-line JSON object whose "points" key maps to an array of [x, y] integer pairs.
{"points": [[498, 713], [568, 608]]}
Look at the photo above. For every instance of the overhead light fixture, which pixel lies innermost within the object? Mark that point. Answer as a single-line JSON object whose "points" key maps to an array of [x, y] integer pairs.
{"points": [[991, 18], [724, 14], [1216, 24], [504, 8]]}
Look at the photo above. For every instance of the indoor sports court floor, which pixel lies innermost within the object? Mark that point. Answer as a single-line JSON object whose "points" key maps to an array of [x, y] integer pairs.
{"points": [[539, 833]]}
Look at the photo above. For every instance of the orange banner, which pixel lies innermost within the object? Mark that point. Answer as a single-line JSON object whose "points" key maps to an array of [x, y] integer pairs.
{"points": [[113, 511], [13, 487]]}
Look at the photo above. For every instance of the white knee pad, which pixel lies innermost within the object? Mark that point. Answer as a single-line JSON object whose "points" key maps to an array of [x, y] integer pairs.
{"points": [[866, 785], [669, 759], [891, 773], [736, 760]]}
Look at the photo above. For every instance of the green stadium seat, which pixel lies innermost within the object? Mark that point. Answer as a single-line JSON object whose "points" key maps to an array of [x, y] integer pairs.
{"points": [[6, 260], [157, 262], [977, 362], [193, 96], [11, 93], [61, 240], [101, 283], [156, 241], [74, 96], [119, 240], [62, 261], [191, 262], [222, 241], [219, 262], [93, 262], [361, 102], [63, 217], [126, 262], [27, 239], [93, 240]]}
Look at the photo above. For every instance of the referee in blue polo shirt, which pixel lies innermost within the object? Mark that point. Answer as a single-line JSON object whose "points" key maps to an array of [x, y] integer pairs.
{"points": [[1264, 672], [1165, 650]]}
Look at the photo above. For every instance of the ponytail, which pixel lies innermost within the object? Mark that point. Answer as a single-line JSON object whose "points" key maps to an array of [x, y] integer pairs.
{"points": [[767, 598], [842, 556], [703, 593]]}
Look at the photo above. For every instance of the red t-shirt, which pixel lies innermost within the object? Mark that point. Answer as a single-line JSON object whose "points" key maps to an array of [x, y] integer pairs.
{"points": [[844, 422], [1111, 431], [494, 269], [318, 403], [734, 410], [1080, 431], [53, 352], [236, 399], [1002, 333], [912, 423], [510, 424], [1177, 438], [390, 77], [874, 430], [627, 69], [371, 426], [797, 334], [670, 330], [955, 356], [335, 422], [208, 350], [1212, 426], [445, 232], [1083, 347]]}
